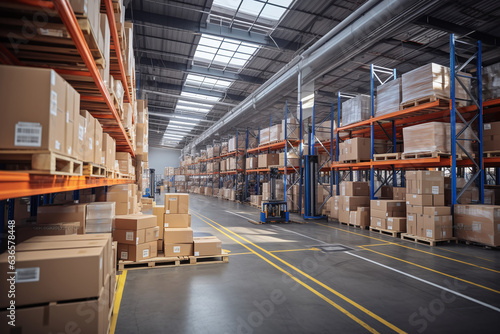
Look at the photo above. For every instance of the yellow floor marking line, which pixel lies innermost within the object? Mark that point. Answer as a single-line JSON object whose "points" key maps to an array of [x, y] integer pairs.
{"points": [[226, 251], [412, 248], [247, 253], [477, 257], [338, 294], [296, 250], [118, 300], [433, 270], [317, 293], [370, 245]]}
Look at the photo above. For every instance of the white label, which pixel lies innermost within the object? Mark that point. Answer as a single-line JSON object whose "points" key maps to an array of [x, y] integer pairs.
{"points": [[103, 160], [58, 145], [96, 143], [52, 78], [67, 116], [487, 126], [137, 240], [476, 226], [347, 209], [389, 227], [414, 196], [390, 220], [165, 225], [25, 275], [172, 199], [435, 190], [408, 202], [196, 253], [129, 236], [28, 134], [177, 249], [145, 253], [428, 233], [53, 103], [80, 132], [69, 150], [124, 255], [90, 143], [167, 212], [444, 234], [378, 203], [379, 223], [410, 218], [100, 263], [398, 204]]}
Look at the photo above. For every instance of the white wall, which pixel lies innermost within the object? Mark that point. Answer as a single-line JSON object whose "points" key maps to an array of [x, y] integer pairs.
{"points": [[159, 158]]}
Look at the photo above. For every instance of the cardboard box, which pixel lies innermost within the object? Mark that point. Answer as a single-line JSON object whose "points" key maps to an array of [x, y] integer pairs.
{"points": [[355, 149], [98, 135], [206, 246], [351, 203], [438, 227], [399, 193], [396, 224], [69, 144], [176, 203], [425, 182], [34, 122], [108, 151], [263, 136], [478, 223], [135, 237], [135, 221], [419, 200], [411, 225], [178, 235], [39, 279], [137, 252], [252, 163], [378, 223], [159, 212], [350, 188], [268, 159], [50, 214], [416, 209], [88, 150], [392, 208], [275, 133], [159, 244], [124, 162], [437, 210], [177, 249], [180, 220], [420, 225], [360, 217], [438, 200], [79, 136]]}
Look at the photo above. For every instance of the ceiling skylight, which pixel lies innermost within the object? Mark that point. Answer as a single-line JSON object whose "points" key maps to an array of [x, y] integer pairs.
{"points": [[203, 82], [223, 53]]}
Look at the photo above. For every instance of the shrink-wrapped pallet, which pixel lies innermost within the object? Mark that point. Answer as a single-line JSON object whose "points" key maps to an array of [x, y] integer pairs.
{"points": [[431, 80], [223, 148], [264, 136], [434, 137], [388, 97], [210, 151], [275, 133], [241, 143], [356, 109], [491, 82]]}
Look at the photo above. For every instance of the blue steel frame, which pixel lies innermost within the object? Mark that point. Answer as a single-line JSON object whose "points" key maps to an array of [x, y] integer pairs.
{"points": [[478, 166], [288, 145], [340, 95]]}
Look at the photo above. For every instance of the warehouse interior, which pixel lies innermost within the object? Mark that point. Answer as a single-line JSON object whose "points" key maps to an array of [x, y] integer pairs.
{"points": [[249, 166]]}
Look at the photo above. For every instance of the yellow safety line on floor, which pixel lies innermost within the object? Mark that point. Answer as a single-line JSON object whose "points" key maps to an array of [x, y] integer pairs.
{"points": [[433, 270], [477, 257], [283, 250], [412, 248], [370, 245], [308, 287], [338, 294], [118, 300], [247, 253]]}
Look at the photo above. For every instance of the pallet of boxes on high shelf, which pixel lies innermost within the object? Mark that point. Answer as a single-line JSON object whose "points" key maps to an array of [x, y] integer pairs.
{"points": [[164, 238]]}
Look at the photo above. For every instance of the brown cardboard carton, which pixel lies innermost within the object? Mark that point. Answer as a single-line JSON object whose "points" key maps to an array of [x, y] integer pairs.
{"points": [[117, 196], [206, 246], [420, 226], [360, 217], [350, 203], [178, 235], [419, 200], [268, 159], [122, 208], [425, 182], [437, 210], [380, 223], [124, 162], [416, 209], [350, 188], [355, 149], [130, 237], [478, 223], [378, 214], [37, 122], [396, 224], [399, 193], [50, 214], [181, 220], [79, 136], [411, 225], [392, 208], [252, 163], [152, 234], [69, 145], [137, 252], [438, 227], [438, 200], [264, 136], [159, 244], [134, 221], [88, 150], [178, 249], [98, 135], [38, 278], [159, 212], [108, 151], [176, 203]]}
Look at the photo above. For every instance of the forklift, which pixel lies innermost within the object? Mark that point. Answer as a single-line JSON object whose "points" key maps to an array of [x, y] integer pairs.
{"points": [[274, 210]]}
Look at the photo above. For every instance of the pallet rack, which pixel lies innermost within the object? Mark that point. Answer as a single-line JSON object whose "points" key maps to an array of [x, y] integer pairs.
{"points": [[19, 184]]}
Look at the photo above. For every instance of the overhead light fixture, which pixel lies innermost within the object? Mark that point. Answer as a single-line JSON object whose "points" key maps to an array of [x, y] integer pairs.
{"points": [[184, 123]]}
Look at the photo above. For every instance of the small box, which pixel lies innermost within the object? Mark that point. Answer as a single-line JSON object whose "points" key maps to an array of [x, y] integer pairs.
{"points": [[206, 246], [135, 221], [178, 249], [380, 223], [178, 235], [137, 252], [177, 220], [397, 224], [350, 188], [438, 227], [419, 200], [176, 203]]}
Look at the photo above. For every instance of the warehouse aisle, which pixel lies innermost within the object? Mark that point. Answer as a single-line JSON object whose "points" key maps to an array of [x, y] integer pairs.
{"points": [[317, 278]]}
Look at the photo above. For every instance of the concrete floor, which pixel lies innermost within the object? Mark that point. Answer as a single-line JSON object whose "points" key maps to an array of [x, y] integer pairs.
{"points": [[277, 281]]}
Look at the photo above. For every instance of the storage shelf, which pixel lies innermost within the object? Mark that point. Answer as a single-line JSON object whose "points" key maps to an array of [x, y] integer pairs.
{"points": [[274, 146], [20, 184]]}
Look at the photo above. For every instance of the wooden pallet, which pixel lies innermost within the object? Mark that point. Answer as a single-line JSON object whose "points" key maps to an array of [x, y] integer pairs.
{"points": [[355, 161], [419, 101], [423, 155], [386, 156], [94, 170], [174, 261], [40, 162], [111, 174], [474, 243], [392, 233], [352, 225], [425, 241], [491, 154]]}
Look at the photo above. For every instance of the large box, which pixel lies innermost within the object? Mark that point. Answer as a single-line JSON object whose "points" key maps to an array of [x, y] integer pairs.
{"points": [[177, 220], [38, 275], [98, 135], [360, 217], [431, 80], [206, 246], [88, 150], [79, 133], [478, 223], [178, 235], [378, 222], [399, 193], [292, 159], [275, 133], [176, 203], [252, 162], [268, 159], [438, 227], [108, 151], [138, 252], [351, 188], [71, 118], [397, 224], [135, 222], [34, 104], [388, 97], [424, 183], [50, 214], [419, 200], [355, 149], [135, 237], [356, 109], [124, 162], [390, 208], [177, 249], [263, 136], [351, 203]]}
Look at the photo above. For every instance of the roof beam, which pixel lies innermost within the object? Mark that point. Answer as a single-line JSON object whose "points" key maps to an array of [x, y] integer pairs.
{"points": [[200, 70], [210, 28], [435, 23]]}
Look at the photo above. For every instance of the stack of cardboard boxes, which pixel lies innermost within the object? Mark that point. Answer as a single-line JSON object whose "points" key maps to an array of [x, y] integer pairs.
{"points": [[177, 233], [353, 195], [388, 215], [427, 217], [478, 223], [50, 298], [137, 236], [125, 197]]}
